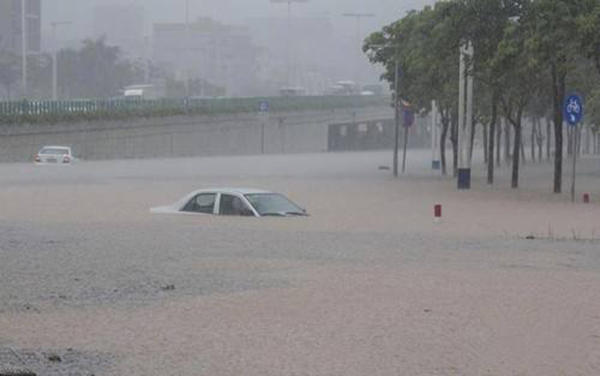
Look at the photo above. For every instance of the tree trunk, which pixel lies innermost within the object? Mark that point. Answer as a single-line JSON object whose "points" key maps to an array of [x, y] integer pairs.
{"points": [[533, 133], [548, 138], [490, 153], [523, 159], [540, 139], [485, 136], [498, 142], [586, 150], [516, 154], [507, 155], [558, 97], [472, 140], [454, 139], [445, 124]]}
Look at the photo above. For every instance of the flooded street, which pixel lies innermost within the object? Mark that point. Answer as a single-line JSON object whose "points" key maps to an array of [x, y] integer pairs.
{"points": [[506, 284]]}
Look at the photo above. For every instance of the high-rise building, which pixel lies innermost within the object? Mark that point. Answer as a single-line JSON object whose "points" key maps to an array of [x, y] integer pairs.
{"points": [[122, 26], [217, 54], [11, 25]]}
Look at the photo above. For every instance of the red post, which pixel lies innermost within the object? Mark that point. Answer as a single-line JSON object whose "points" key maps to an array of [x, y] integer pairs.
{"points": [[586, 198], [437, 211]]}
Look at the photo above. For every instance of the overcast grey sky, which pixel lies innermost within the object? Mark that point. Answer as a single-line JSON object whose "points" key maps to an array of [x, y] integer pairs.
{"points": [[230, 11]]}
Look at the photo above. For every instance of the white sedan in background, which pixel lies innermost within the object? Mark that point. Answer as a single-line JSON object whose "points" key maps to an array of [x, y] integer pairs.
{"points": [[233, 201], [59, 155]]}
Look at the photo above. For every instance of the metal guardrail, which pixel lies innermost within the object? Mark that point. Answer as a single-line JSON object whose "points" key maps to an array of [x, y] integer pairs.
{"points": [[19, 112]]}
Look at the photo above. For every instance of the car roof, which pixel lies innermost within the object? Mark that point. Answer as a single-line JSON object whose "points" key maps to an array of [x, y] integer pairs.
{"points": [[234, 191], [230, 190], [56, 147]]}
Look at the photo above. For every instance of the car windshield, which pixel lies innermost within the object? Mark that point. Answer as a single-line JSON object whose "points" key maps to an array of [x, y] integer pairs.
{"points": [[54, 151], [273, 204]]}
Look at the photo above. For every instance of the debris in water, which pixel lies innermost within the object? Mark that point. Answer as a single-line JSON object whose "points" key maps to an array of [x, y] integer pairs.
{"points": [[54, 358]]}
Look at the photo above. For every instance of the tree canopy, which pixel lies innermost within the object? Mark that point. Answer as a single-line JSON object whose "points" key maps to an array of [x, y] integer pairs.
{"points": [[528, 55]]}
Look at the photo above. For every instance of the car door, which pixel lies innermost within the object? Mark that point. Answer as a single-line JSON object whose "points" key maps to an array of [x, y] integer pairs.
{"points": [[202, 203], [230, 204]]}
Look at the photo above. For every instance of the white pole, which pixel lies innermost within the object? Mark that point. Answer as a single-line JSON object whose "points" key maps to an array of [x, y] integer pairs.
{"points": [[461, 106], [288, 46], [24, 47], [187, 49], [396, 114], [54, 64]]}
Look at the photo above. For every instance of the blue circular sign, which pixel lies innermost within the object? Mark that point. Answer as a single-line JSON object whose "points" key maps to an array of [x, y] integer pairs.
{"points": [[263, 106], [573, 109]]}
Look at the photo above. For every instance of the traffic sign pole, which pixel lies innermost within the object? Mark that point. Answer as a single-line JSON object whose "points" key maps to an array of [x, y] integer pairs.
{"points": [[263, 109], [573, 110], [574, 137]]}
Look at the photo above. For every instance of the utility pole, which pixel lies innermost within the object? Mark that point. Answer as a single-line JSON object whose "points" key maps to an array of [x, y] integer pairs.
{"points": [[187, 49], [396, 113], [55, 59], [465, 115], [289, 36], [24, 47]]}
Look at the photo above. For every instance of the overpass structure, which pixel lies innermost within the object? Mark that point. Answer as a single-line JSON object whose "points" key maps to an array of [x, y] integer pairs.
{"points": [[180, 128]]}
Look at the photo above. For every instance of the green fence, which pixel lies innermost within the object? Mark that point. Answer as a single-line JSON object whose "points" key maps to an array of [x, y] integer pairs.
{"points": [[18, 112]]}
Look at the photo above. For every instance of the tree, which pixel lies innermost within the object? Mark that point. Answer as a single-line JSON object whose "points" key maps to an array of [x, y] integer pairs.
{"points": [[484, 23], [552, 27], [95, 71], [588, 29], [520, 78], [427, 52]]}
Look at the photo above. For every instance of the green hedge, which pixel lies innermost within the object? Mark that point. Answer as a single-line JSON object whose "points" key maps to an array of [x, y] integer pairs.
{"points": [[21, 112]]}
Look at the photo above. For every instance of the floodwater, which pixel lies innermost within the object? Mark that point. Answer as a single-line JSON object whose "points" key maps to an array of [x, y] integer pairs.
{"points": [[508, 283]]}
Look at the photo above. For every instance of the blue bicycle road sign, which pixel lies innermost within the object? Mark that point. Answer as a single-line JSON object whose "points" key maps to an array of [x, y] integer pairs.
{"points": [[263, 106], [573, 109]]}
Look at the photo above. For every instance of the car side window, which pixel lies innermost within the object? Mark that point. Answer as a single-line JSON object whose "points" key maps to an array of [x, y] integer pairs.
{"points": [[202, 203], [233, 205]]}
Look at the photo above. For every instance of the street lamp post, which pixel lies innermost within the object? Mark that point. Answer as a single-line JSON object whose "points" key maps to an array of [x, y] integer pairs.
{"points": [[55, 58], [24, 47], [187, 49], [396, 113], [465, 115], [289, 32]]}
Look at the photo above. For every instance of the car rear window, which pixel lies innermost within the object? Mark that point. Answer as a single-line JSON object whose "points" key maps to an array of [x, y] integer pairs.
{"points": [[54, 151]]}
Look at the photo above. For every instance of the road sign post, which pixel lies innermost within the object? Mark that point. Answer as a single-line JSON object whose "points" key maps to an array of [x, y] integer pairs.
{"points": [[573, 113], [263, 109]]}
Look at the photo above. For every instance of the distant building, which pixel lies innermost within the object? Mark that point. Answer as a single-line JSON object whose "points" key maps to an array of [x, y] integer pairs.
{"points": [[122, 26], [319, 55], [11, 25], [315, 61], [210, 52]]}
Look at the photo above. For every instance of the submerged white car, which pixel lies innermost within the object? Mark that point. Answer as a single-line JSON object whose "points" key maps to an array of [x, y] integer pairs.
{"points": [[54, 155], [233, 201]]}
